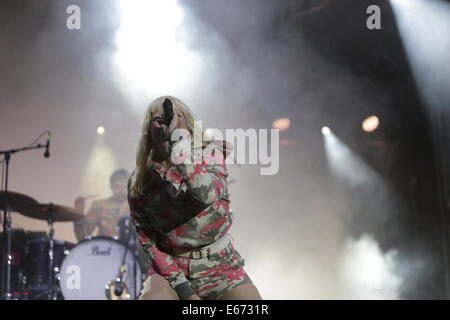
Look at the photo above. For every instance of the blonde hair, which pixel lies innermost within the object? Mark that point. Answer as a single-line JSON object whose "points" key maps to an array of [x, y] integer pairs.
{"points": [[145, 150]]}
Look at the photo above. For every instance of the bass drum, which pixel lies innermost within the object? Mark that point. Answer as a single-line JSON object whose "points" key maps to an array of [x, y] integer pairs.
{"points": [[93, 264]]}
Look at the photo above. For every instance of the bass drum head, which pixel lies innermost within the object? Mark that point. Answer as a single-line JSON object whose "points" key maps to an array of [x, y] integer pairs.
{"points": [[94, 263]]}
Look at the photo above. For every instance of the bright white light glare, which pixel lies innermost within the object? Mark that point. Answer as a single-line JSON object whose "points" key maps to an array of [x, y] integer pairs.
{"points": [[100, 130], [326, 131], [366, 272], [370, 124], [281, 124], [151, 56], [303, 279], [348, 167], [424, 29], [209, 131]]}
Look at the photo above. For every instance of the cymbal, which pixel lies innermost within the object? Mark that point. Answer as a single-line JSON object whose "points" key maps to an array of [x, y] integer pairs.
{"points": [[52, 211], [17, 202]]}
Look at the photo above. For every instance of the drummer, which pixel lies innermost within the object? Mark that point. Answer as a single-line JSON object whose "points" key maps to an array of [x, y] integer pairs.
{"points": [[104, 214]]}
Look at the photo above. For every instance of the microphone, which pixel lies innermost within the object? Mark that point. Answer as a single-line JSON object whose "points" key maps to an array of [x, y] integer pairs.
{"points": [[47, 145], [168, 116], [168, 112], [118, 289]]}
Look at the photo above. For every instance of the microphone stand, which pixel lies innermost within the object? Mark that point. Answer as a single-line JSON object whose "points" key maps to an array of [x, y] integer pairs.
{"points": [[6, 241], [136, 257], [118, 285]]}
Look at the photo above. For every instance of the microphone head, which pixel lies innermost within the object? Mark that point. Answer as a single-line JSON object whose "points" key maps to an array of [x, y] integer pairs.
{"points": [[47, 145], [118, 290], [168, 111]]}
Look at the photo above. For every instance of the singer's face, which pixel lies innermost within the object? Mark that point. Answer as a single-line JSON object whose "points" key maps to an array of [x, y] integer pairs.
{"points": [[159, 131]]}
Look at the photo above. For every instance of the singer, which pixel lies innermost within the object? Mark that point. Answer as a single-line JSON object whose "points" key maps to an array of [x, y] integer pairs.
{"points": [[181, 208]]}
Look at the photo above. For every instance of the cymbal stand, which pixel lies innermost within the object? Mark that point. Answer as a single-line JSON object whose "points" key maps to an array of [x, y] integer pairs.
{"points": [[7, 258], [51, 275], [6, 241]]}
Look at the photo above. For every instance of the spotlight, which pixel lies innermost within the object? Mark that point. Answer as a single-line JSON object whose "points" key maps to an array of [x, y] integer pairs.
{"points": [[281, 124], [151, 39], [100, 130], [370, 124], [326, 131]]}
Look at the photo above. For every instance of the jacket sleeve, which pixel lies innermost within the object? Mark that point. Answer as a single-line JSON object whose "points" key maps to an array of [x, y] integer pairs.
{"points": [[162, 263], [204, 170]]}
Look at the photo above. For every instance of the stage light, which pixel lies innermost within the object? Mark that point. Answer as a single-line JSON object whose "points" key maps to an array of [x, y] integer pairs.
{"points": [[326, 131], [348, 167], [370, 124], [100, 130], [366, 271], [281, 124], [152, 57], [423, 27]]}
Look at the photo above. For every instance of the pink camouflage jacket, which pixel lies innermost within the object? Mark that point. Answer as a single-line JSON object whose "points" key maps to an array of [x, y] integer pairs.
{"points": [[184, 207]]}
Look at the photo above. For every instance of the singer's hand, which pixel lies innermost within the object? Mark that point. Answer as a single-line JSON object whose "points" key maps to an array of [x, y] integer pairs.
{"points": [[161, 133], [178, 122]]}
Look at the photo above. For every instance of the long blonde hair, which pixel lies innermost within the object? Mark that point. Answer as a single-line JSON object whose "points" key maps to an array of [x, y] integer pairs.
{"points": [[145, 150]]}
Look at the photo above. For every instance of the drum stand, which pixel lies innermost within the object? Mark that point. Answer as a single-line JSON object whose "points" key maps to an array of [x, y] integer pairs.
{"points": [[51, 292]]}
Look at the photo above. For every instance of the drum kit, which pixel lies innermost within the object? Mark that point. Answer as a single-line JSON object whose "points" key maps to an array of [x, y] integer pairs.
{"points": [[43, 268]]}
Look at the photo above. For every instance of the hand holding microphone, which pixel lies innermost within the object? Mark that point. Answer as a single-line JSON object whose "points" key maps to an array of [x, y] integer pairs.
{"points": [[168, 120]]}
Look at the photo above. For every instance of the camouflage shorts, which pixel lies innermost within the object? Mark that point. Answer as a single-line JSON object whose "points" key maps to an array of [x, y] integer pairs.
{"points": [[216, 272]]}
